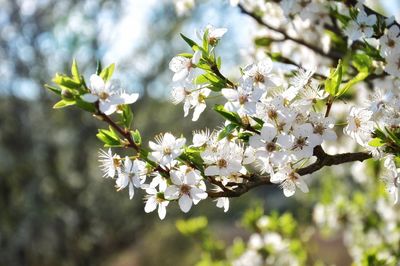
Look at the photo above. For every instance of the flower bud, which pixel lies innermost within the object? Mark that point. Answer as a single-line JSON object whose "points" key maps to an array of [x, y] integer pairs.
{"points": [[67, 95]]}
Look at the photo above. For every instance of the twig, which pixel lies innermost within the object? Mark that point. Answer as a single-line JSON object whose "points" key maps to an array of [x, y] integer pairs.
{"points": [[259, 20], [323, 159]]}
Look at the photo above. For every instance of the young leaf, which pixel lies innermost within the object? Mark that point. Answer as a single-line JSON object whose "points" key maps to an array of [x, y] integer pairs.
{"points": [[53, 89], [230, 116], [66, 81], [107, 72], [137, 138], [334, 80], [108, 138], [190, 42], [89, 107], [376, 142], [63, 103], [227, 131], [98, 67], [75, 71]]}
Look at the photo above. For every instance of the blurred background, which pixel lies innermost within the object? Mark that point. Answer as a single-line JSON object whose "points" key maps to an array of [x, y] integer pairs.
{"points": [[55, 209]]}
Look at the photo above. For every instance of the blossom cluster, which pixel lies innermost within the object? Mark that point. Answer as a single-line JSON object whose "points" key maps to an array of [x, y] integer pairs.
{"points": [[276, 118]]}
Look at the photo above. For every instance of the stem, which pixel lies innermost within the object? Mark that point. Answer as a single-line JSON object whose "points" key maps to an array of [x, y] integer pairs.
{"points": [[216, 71], [329, 104]]}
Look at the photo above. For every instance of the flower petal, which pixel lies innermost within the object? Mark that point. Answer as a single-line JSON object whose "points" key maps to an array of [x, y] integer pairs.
{"points": [[185, 203]]}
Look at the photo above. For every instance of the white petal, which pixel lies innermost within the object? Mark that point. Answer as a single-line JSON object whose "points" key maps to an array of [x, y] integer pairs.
{"points": [[151, 205], [176, 177], [265, 66], [180, 75], [96, 83], [289, 188], [131, 190], [302, 185], [196, 57], [212, 170], [177, 63], [277, 178], [171, 192], [230, 94], [185, 203], [198, 110], [162, 211], [255, 141], [90, 98], [268, 132], [129, 98], [107, 108]]}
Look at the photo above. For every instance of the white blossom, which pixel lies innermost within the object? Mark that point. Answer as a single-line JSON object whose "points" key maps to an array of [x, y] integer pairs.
{"points": [[108, 94], [109, 164], [288, 180], [182, 66], [361, 27], [359, 126], [390, 42], [133, 174], [187, 186], [154, 200], [166, 148]]}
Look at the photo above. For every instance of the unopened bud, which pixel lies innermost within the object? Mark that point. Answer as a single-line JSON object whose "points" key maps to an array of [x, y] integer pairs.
{"points": [[67, 95]]}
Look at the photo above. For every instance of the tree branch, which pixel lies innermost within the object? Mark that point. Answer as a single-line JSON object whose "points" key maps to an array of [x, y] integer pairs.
{"points": [[323, 159], [318, 50]]}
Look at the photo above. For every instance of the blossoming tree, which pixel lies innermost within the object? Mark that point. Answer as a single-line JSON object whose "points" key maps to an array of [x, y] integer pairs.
{"points": [[315, 63]]}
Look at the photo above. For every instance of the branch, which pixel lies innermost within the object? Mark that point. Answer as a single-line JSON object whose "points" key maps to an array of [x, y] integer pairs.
{"points": [[318, 50], [323, 159], [370, 11]]}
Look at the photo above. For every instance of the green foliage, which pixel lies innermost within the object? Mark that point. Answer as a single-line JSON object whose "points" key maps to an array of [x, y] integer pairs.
{"points": [[362, 63], [233, 117], [227, 131], [137, 138], [263, 41], [107, 72], [192, 226], [109, 137], [251, 216], [190, 42], [334, 80], [126, 116]]}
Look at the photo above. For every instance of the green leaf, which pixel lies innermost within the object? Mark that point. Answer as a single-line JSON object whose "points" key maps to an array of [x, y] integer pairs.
{"points": [[187, 55], [90, 107], [219, 62], [63, 103], [190, 42], [230, 116], [75, 71], [107, 72], [53, 89], [362, 62], [98, 67], [345, 87], [66, 81], [205, 41], [137, 138], [263, 41], [109, 138], [334, 80], [192, 226], [376, 142], [127, 116], [227, 131]]}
